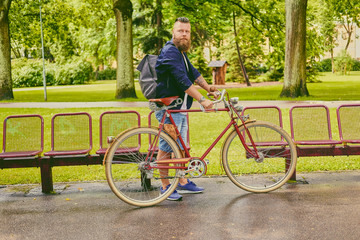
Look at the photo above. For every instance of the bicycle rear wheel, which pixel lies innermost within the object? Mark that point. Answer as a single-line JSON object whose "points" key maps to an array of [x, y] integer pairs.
{"points": [[126, 167], [273, 168]]}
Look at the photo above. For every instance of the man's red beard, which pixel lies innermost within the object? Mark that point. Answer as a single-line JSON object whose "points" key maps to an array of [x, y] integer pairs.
{"points": [[182, 44]]}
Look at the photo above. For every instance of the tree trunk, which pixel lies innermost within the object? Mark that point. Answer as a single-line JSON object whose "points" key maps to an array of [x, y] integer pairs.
{"points": [[332, 60], [295, 50], [125, 87], [246, 77], [6, 91], [349, 31], [159, 17]]}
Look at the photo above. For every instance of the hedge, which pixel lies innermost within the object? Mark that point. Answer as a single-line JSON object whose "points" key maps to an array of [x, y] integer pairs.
{"points": [[325, 65], [29, 72]]}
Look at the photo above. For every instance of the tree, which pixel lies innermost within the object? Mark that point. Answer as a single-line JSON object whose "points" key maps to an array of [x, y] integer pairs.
{"points": [[5, 54], [58, 17], [150, 32], [266, 17], [327, 28], [125, 87], [347, 13], [95, 32], [295, 50]]}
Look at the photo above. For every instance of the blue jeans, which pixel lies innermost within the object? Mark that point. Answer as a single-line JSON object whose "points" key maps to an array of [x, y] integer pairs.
{"points": [[180, 122]]}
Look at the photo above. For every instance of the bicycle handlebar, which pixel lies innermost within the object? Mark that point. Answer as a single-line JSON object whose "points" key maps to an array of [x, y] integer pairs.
{"points": [[222, 95]]}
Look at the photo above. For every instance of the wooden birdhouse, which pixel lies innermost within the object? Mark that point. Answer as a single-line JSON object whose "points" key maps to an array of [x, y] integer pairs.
{"points": [[219, 71]]}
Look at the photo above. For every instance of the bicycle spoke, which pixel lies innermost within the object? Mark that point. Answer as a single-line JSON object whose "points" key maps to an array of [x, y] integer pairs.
{"points": [[267, 172], [130, 173]]}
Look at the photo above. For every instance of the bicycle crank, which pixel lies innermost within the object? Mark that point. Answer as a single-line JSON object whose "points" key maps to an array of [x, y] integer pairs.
{"points": [[196, 168]]}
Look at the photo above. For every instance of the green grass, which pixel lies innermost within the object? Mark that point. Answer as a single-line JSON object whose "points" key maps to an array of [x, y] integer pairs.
{"points": [[331, 88], [204, 128], [95, 92]]}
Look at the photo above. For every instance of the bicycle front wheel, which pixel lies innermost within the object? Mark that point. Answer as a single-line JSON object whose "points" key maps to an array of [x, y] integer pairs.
{"points": [[274, 165], [127, 167]]}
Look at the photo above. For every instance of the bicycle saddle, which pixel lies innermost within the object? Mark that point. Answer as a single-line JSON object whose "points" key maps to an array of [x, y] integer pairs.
{"points": [[164, 101]]}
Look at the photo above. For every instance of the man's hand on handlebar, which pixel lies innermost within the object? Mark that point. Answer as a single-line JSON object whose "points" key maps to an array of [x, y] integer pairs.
{"points": [[214, 93], [207, 104]]}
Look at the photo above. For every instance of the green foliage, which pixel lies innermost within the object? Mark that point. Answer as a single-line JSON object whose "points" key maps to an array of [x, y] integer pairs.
{"points": [[29, 73], [151, 29], [343, 63], [197, 59], [77, 71], [87, 28], [107, 74], [356, 65], [325, 65]]}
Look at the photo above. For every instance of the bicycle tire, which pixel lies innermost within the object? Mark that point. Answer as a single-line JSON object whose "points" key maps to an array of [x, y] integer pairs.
{"points": [[124, 168], [263, 174]]}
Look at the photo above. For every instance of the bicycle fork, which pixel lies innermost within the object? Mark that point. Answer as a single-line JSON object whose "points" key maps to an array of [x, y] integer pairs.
{"points": [[252, 152]]}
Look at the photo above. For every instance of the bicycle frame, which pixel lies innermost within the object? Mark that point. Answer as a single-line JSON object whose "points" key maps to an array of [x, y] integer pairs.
{"points": [[233, 122]]}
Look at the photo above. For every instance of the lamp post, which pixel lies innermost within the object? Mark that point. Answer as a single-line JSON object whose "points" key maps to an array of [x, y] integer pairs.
{"points": [[42, 51]]}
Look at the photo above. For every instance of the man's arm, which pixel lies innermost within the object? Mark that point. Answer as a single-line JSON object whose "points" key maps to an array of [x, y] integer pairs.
{"points": [[193, 92], [202, 83], [211, 90]]}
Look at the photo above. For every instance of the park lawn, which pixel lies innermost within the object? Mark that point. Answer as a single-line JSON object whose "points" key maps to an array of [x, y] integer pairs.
{"points": [[332, 87], [202, 134], [99, 91]]}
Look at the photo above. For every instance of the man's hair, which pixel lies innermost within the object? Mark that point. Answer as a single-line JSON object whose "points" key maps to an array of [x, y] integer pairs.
{"points": [[182, 19]]}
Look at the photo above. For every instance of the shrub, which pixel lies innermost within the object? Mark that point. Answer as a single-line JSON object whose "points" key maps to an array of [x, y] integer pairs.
{"points": [[325, 65], [29, 73], [78, 71], [343, 63], [107, 74], [356, 65]]}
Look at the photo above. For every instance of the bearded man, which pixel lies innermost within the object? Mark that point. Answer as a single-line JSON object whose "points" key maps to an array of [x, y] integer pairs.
{"points": [[176, 77]]}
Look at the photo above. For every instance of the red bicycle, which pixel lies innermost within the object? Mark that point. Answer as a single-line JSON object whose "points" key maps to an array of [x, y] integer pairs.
{"points": [[256, 156]]}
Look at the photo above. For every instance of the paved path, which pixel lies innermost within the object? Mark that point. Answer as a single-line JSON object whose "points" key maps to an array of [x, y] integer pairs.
{"points": [[326, 208]]}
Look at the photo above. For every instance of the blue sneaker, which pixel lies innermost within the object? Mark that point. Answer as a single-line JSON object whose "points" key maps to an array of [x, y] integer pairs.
{"points": [[190, 187], [174, 196]]}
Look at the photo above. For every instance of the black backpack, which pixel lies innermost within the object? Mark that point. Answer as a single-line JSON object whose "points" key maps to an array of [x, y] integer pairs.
{"points": [[148, 76]]}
